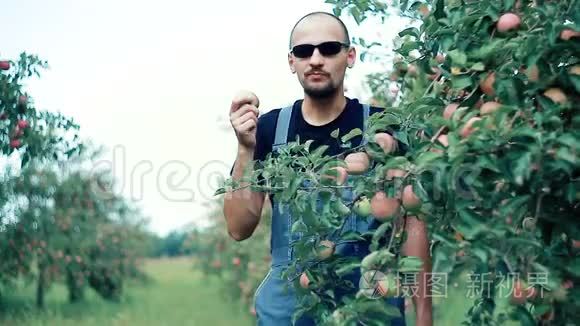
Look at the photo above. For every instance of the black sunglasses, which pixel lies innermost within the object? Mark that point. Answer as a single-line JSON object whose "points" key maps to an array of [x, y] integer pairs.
{"points": [[326, 49]]}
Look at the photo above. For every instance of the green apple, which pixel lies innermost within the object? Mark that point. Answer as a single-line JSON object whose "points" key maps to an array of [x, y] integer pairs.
{"points": [[362, 207]]}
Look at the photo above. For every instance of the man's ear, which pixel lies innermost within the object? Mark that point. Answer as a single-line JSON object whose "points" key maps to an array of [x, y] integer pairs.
{"points": [[291, 63], [351, 57]]}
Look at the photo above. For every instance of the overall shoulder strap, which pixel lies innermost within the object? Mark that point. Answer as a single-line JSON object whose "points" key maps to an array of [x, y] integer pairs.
{"points": [[366, 113], [282, 126]]}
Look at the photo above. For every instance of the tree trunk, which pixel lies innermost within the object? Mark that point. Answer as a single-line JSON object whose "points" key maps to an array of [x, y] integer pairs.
{"points": [[75, 291], [40, 286]]}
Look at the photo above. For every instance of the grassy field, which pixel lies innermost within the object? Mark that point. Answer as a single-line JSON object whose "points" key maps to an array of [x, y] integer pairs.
{"points": [[177, 296]]}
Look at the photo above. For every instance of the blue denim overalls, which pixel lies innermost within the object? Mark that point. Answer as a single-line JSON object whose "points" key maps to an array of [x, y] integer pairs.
{"points": [[274, 302]]}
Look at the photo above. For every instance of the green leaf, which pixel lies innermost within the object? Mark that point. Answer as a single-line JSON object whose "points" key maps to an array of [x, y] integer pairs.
{"points": [[485, 162], [317, 153], [481, 254], [508, 5], [356, 14], [299, 227], [574, 267], [576, 82], [396, 162], [353, 133], [347, 268], [363, 55], [352, 235], [541, 309], [461, 82], [219, 191], [525, 242], [442, 262], [524, 317], [569, 140], [566, 155], [413, 31], [458, 58], [514, 203], [402, 137], [478, 66], [439, 12], [307, 144], [25, 159], [407, 47], [522, 168], [339, 207], [425, 158], [295, 183], [469, 224], [329, 293], [379, 233], [488, 49], [335, 133], [410, 264]]}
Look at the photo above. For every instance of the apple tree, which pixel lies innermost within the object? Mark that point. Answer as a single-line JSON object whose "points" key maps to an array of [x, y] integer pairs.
{"points": [[487, 113]]}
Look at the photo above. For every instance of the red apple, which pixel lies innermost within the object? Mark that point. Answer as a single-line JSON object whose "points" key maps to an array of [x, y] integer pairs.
{"points": [[340, 177], [508, 22], [394, 173], [443, 139], [4, 65], [412, 70], [386, 142], [567, 34], [489, 107], [357, 163], [383, 207], [533, 73], [22, 100], [15, 143], [325, 249], [468, 128], [410, 199], [304, 281], [487, 84], [449, 110], [556, 95], [22, 124]]}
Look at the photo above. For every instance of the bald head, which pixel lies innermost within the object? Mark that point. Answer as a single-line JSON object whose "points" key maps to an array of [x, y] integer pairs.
{"points": [[321, 18]]}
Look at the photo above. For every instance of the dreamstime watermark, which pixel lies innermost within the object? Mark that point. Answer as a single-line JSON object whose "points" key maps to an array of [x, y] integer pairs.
{"points": [[176, 181], [172, 180]]}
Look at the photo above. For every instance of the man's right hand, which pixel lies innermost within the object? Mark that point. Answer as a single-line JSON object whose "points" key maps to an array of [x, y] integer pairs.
{"points": [[244, 118], [243, 207]]}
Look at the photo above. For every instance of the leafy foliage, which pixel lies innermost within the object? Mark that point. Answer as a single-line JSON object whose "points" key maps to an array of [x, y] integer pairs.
{"points": [[498, 187]]}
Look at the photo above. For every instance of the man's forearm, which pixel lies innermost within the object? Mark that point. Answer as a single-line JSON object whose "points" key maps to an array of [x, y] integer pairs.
{"points": [[422, 301], [417, 245], [242, 207]]}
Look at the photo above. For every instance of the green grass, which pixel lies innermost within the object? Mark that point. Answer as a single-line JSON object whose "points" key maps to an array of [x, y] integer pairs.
{"points": [[177, 295]]}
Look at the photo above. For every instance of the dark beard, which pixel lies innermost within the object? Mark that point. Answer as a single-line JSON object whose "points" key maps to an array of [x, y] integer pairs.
{"points": [[324, 93]]}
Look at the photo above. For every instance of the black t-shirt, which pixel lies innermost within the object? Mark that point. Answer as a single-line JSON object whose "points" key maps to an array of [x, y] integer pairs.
{"points": [[350, 118]]}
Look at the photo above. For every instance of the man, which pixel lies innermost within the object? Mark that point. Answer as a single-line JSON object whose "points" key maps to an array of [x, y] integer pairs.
{"points": [[320, 53]]}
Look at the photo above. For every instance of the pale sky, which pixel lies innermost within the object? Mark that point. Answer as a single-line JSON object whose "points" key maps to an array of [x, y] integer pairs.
{"points": [[155, 79]]}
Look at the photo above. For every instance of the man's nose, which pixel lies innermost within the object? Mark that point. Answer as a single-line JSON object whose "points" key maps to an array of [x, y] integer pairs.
{"points": [[316, 59]]}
